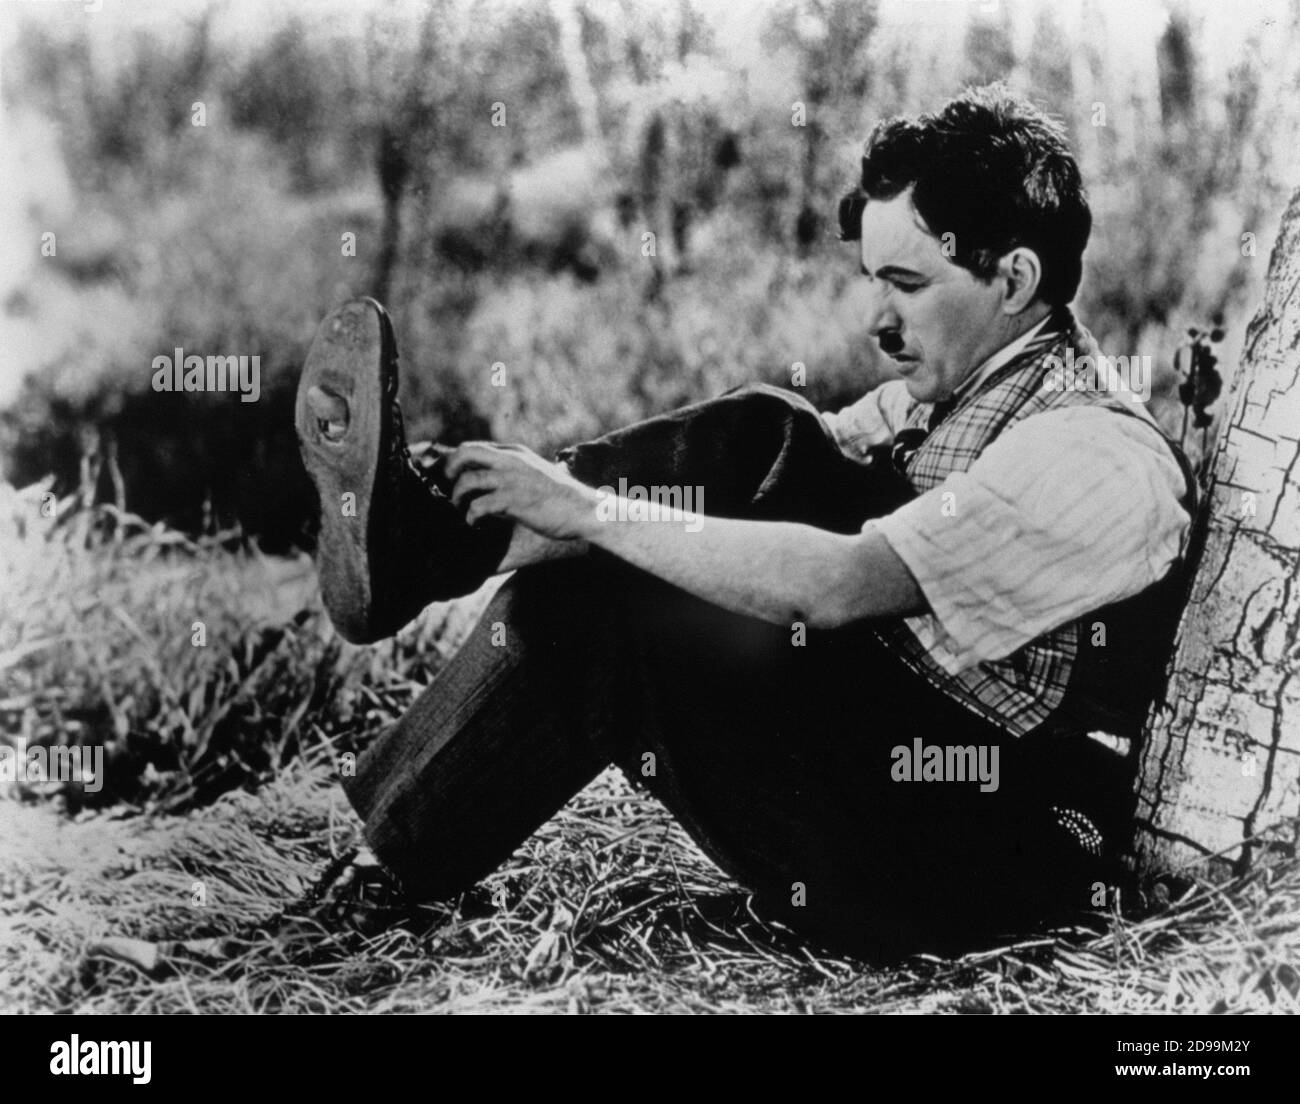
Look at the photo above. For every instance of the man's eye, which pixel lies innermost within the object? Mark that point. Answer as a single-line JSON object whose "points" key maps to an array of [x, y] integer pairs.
{"points": [[907, 289]]}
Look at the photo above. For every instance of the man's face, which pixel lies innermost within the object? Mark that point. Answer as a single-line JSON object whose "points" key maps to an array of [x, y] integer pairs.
{"points": [[937, 321]]}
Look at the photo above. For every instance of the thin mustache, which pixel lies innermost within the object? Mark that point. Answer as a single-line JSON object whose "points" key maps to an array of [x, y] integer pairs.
{"points": [[891, 342]]}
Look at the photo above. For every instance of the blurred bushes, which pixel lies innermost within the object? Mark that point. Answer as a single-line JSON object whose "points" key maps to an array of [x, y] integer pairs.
{"points": [[523, 245]]}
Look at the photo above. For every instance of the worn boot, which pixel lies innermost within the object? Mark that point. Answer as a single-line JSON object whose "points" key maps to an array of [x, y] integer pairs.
{"points": [[391, 541]]}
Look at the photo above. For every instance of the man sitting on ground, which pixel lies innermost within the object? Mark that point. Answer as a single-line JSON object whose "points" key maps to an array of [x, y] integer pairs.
{"points": [[967, 572]]}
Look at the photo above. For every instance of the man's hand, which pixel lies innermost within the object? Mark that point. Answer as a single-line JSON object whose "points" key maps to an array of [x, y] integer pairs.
{"points": [[514, 482], [777, 570]]}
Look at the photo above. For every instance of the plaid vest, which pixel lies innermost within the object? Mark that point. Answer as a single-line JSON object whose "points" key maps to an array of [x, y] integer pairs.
{"points": [[1060, 682]]}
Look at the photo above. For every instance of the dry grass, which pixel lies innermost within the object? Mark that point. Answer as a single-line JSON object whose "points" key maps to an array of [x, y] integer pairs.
{"points": [[609, 907]]}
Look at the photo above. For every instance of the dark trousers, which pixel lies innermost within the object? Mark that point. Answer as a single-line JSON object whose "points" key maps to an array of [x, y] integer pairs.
{"points": [[771, 746]]}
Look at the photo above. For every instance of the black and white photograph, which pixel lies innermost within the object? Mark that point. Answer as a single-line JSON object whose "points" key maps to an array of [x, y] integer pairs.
{"points": [[650, 507]]}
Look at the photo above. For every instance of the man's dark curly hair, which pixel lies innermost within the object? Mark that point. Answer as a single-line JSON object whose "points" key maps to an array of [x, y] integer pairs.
{"points": [[994, 171]]}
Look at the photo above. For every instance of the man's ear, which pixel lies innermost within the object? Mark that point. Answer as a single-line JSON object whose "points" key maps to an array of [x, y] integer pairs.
{"points": [[1020, 273]]}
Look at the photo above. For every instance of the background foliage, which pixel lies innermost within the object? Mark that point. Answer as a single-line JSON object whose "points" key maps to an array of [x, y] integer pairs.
{"points": [[521, 244]]}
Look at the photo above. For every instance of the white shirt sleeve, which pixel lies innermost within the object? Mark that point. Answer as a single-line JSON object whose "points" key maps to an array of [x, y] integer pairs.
{"points": [[873, 419], [1066, 512]]}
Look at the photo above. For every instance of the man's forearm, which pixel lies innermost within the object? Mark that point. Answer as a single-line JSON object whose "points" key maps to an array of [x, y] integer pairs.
{"points": [[777, 571], [527, 548], [774, 570]]}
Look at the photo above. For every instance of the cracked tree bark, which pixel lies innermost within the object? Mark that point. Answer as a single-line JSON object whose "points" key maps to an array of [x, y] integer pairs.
{"points": [[1219, 775]]}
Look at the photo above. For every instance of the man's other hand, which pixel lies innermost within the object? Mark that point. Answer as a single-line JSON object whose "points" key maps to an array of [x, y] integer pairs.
{"points": [[514, 482]]}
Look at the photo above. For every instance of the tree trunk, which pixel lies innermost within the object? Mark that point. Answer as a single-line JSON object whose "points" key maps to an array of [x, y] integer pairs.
{"points": [[1219, 775], [581, 89]]}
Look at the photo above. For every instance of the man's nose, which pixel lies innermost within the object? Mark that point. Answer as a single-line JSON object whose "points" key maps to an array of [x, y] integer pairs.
{"points": [[881, 315]]}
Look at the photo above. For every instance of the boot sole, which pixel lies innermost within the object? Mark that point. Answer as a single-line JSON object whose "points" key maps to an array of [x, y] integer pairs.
{"points": [[354, 356]]}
